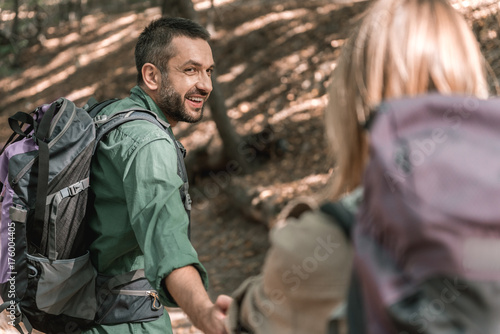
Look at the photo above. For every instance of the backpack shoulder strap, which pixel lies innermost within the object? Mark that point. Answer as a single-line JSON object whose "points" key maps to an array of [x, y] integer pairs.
{"points": [[343, 217], [355, 309], [343, 213], [93, 107], [344, 210], [104, 124]]}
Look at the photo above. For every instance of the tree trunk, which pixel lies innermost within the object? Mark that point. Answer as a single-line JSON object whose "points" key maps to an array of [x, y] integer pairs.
{"points": [[15, 22], [63, 11], [15, 37], [211, 18], [233, 143], [77, 8], [179, 8], [40, 16]]}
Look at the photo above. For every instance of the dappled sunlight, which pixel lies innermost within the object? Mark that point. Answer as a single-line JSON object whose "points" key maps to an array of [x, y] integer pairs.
{"points": [[206, 4], [240, 110], [35, 72], [117, 25], [122, 70], [289, 68], [298, 108], [337, 42], [281, 41], [106, 46], [61, 41], [233, 73], [263, 21], [246, 88], [492, 9], [242, 91], [41, 86], [283, 191], [462, 4], [328, 8], [82, 93], [292, 61], [8, 15], [256, 124], [204, 133], [71, 60], [295, 31]]}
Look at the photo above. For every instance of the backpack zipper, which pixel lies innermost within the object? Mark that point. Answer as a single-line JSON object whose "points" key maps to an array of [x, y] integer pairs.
{"points": [[134, 292], [153, 294]]}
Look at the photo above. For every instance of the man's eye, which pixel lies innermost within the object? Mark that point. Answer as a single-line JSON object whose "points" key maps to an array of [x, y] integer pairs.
{"points": [[190, 70], [210, 71]]}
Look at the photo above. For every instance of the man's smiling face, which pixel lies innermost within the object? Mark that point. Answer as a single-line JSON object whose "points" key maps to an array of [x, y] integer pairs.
{"points": [[187, 83]]}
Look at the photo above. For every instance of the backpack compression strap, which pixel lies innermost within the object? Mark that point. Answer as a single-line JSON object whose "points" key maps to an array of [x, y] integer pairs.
{"points": [[16, 123], [19, 318], [14, 120], [42, 140]]}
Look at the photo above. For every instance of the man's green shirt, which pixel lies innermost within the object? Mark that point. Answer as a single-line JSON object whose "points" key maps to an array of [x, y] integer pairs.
{"points": [[139, 220]]}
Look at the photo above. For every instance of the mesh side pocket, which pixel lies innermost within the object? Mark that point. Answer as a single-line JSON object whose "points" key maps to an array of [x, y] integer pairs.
{"points": [[70, 219], [66, 286]]}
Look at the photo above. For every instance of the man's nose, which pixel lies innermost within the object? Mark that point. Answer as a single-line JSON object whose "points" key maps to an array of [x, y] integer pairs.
{"points": [[205, 83]]}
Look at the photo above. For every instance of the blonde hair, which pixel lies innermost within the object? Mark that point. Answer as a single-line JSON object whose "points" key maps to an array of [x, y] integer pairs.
{"points": [[400, 48]]}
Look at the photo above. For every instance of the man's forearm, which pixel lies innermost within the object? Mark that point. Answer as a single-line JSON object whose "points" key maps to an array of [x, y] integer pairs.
{"points": [[186, 287]]}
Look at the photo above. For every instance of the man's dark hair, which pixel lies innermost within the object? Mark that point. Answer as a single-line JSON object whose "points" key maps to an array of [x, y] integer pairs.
{"points": [[154, 42]]}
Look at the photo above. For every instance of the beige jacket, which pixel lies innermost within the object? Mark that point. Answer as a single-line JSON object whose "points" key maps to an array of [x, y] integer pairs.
{"points": [[304, 279]]}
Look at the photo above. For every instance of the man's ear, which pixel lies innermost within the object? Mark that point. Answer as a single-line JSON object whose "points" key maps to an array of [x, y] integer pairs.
{"points": [[151, 76]]}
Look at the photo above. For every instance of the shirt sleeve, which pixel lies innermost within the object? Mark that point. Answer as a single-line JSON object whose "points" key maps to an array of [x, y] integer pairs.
{"points": [[157, 214]]}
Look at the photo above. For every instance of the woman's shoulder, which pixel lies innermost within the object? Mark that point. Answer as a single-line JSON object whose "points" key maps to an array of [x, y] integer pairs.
{"points": [[307, 216]]}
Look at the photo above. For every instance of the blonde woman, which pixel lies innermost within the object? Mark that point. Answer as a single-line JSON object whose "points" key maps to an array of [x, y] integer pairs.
{"points": [[409, 49], [401, 48]]}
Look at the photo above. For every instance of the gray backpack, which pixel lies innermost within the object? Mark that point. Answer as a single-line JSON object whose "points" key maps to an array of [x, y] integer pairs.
{"points": [[47, 280]]}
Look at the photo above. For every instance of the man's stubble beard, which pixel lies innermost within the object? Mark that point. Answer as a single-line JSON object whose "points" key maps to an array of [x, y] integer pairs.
{"points": [[172, 105]]}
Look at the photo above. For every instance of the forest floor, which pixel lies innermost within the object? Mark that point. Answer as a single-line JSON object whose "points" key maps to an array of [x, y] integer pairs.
{"points": [[274, 59]]}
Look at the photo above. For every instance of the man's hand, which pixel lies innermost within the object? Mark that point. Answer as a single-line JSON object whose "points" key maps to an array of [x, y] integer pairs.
{"points": [[213, 321], [223, 302], [184, 284]]}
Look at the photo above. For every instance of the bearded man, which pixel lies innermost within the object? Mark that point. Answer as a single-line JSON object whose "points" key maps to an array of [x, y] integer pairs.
{"points": [[139, 222]]}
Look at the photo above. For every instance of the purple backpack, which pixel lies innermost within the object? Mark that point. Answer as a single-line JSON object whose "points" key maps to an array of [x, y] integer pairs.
{"points": [[427, 234], [45, 177], [47, 280]]}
